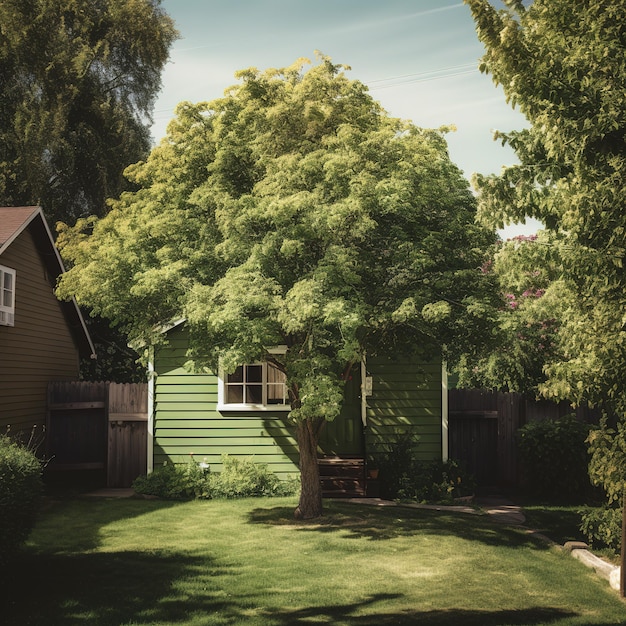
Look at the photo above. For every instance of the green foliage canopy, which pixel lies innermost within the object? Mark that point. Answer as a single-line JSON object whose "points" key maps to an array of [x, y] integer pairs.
{"points": [[79, 79], [293, 211], [564, 65], [535, 297]]}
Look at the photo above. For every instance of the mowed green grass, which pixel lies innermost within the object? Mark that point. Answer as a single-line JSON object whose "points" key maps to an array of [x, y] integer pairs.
{"points": [[248, 562]]}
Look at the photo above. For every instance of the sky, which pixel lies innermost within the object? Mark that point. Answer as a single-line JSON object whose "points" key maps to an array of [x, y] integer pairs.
{"points": [[419, 59]]}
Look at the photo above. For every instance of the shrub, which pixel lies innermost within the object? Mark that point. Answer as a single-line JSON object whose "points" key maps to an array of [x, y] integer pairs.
{"points": [[404, 476], [607, 469], [239, 478], [429, 481], [397, 465], [20, 489], [554, 458], [174, 482], [603, 527]]}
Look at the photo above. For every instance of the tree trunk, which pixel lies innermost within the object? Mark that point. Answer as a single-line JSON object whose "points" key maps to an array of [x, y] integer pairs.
{"points": [[310, 505], [622, 574]]}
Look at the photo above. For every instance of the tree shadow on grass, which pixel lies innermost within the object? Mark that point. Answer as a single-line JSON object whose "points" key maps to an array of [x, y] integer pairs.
{"points": [[345, 614], [112, 588], [379, 524], [106, 589]]}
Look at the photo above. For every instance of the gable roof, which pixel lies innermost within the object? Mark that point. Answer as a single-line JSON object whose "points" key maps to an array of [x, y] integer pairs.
{"points": [[13, 222]]}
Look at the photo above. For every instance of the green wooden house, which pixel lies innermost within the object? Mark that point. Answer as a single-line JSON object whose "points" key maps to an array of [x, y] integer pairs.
{"points": [[203, 416]]}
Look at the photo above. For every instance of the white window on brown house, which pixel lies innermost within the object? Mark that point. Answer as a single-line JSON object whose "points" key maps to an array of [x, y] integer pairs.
{"points": [[7, 296]]}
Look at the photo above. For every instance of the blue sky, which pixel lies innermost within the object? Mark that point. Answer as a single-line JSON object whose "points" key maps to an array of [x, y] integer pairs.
{"points": [[418, 57]]}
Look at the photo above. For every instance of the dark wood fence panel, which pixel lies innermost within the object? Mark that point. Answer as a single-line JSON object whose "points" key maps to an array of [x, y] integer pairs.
{"points": [[473, 442], [511, 416], [476, 414], [473, 431], [76, 426], [98, 426], [127, 452], [128, 401], [128, 432]]}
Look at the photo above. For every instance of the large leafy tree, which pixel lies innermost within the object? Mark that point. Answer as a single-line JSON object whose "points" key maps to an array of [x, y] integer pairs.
{"points": [[78, 79], [564, 65], [293, 211]]}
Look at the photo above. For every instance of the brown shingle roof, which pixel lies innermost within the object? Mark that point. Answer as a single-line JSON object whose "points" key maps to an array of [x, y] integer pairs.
{"points": [[13, 220]]}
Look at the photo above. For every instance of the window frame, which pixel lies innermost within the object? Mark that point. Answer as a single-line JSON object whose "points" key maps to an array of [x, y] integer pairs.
{"points": [[7, 310], [223, 384]]}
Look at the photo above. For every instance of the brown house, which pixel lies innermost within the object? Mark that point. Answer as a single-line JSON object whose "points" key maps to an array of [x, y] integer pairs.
{"points": [[41, 338]]}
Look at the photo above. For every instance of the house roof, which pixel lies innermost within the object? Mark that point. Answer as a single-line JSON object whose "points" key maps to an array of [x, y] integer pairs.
{"points": [[13, 222]]}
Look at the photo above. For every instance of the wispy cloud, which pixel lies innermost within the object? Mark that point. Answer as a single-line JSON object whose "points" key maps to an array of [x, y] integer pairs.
{"points": [[378, 23]]}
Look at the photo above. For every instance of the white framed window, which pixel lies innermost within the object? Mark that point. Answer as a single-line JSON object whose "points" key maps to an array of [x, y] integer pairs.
{"points": [[254, 387], [7, 296]]}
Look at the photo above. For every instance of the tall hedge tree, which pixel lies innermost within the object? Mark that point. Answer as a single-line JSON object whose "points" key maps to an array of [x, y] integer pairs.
{"points": [[293, 211], [78, 80], [564, 65]]}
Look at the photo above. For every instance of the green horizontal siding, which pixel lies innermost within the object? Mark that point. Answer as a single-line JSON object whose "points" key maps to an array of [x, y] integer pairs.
{"points": [[405, 400], [187, 424]]}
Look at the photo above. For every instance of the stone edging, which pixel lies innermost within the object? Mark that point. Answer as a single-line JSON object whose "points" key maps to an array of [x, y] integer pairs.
{"points": [[580, 550]]}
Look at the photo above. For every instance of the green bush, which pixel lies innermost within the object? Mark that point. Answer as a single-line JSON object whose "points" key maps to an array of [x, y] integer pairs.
{"points": [[603, 527], [20, 489], [239, 478], [554, 458], [607, 469], [174, 482], [397, 466], [403, 476]]}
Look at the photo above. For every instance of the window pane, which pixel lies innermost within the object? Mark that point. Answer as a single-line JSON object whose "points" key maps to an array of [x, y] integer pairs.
{"points": [[6, 289], [234, 394], [254, 394], [254, 373], [237, 376]]}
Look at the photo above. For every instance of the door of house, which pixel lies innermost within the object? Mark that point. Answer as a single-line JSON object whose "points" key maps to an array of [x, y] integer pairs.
{"points": [[343, 437]]}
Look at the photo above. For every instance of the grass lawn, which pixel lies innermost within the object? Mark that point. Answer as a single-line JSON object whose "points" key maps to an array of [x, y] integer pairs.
{"points": [[128, 562], [560, 522]]}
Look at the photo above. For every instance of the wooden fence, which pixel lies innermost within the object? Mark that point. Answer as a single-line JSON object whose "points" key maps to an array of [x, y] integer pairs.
{"points": [[98, 426], [483, 426]]}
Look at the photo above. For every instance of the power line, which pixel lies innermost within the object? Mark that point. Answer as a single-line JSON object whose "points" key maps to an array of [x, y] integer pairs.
{"points": [[464, 66], [422, 80]]}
